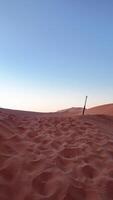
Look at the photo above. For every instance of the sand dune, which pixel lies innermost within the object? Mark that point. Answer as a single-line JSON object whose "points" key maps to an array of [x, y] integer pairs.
{"points": [[106, 109], [72, 111], [55, 158]]}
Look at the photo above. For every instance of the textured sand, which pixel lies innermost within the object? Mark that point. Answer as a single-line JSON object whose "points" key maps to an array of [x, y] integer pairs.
{"points": [[44, 157]]}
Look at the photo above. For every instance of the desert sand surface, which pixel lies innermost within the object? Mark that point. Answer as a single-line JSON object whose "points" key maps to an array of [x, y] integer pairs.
{"points": [[106, 109], [71, 111], [55, 157]]}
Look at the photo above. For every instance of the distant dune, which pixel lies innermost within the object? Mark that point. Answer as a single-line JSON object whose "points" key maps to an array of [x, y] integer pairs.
{"points": [[55, 156], [106, 109], [72, 111]]}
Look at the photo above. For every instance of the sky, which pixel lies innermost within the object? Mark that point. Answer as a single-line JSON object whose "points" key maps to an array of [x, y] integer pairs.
{"points": [[55, 52]]}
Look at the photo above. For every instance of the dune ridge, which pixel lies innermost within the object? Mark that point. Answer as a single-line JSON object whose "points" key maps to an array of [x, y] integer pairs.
{"points": [[106, 109], [55, 158]]}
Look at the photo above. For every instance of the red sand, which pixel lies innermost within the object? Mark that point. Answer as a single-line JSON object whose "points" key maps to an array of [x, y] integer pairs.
{"points": [[50, 157], [106, 109]]}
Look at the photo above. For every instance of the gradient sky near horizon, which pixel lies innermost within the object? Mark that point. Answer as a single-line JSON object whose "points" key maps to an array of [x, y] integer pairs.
{"points": [[54, 52]]}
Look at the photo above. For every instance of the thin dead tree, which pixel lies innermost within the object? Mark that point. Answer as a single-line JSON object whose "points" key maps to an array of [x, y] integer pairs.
{"points": [[84, 105]]}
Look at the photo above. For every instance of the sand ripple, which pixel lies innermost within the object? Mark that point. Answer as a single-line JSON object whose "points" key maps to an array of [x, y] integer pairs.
{"points": [[56, 158]]}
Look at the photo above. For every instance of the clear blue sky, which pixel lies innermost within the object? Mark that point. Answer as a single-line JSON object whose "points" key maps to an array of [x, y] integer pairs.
{"points": [[54, 52]]}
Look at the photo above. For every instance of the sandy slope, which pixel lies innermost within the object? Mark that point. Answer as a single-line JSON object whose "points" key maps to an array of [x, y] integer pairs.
{"points": [[55, 158], [106, 109], [72, 111]]}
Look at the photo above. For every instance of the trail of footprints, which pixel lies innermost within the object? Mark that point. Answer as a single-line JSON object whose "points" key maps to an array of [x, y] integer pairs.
{"points": [[55, 159]]}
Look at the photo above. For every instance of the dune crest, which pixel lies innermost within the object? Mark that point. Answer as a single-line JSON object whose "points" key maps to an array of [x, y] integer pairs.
{"points": [[106, 109]]}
